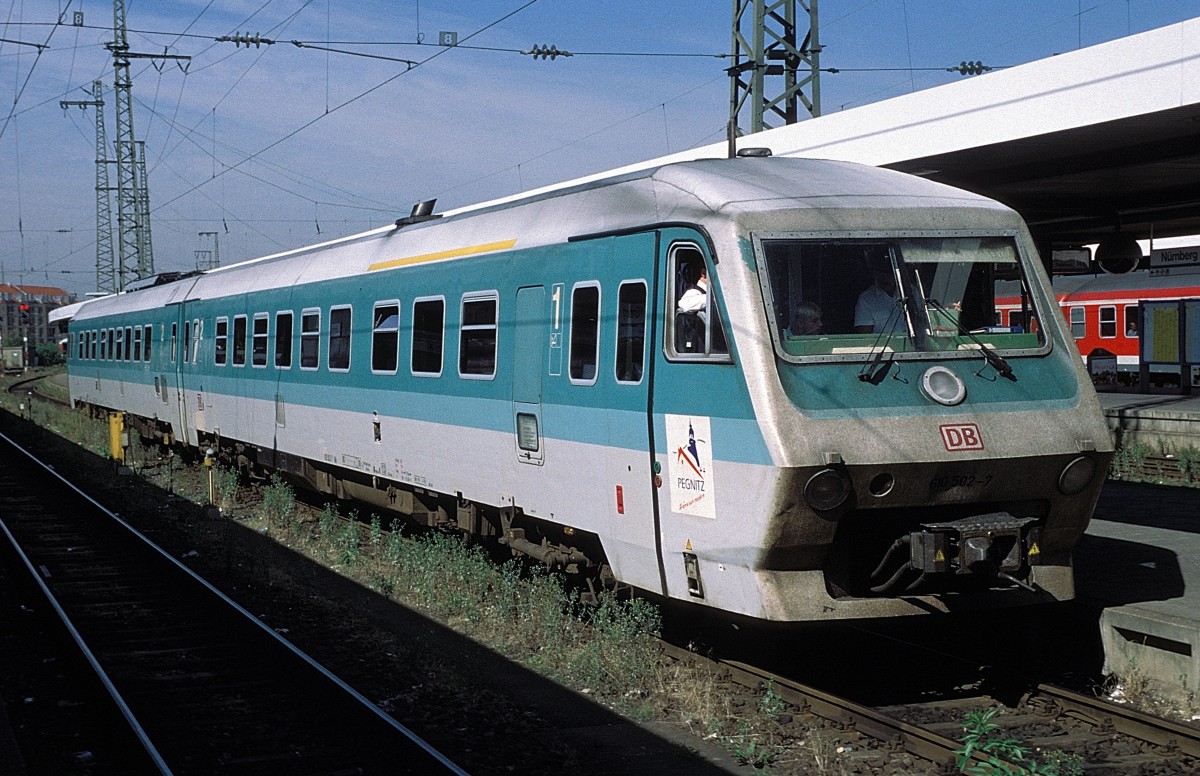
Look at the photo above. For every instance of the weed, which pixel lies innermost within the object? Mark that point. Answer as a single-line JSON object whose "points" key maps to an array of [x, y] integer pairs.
{"points": [[327, 522], [376, 535], [225, 479], [772, 703], [1002, 756], [347, 544], [278, 506], [393, 546], [756, 755], [1189, 463]]}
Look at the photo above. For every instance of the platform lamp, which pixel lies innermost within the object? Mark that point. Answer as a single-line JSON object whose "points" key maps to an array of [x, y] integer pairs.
{"points": [[1119, 253]]}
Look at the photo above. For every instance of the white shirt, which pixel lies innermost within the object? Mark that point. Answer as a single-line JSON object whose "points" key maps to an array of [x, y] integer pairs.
{"points": [[875, 306], [695, 300]]}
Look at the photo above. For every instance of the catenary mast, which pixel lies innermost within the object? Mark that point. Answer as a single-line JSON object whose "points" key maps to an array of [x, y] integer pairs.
{"points": [[774, 67], [106, 268]]}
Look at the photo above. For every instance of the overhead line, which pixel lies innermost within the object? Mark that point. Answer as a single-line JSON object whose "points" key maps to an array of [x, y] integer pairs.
{"points": [[336, 108]]}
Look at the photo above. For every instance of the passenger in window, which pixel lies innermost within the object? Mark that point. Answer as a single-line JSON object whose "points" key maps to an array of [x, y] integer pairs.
{"points": [[878, 307], [806, 321], [1131, 328], [694, 298], [691, 317]]}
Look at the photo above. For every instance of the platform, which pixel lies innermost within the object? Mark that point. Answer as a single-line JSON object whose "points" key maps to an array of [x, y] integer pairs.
{"points": [[1140, 562], [1165, 423]]}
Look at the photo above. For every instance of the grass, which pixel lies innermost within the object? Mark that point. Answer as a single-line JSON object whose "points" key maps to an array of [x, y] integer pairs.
{"points": [[1138, 462], [1135, 687]]}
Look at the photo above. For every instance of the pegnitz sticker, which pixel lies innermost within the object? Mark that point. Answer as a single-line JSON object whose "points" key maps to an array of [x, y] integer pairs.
{"points": [[689, 466]]}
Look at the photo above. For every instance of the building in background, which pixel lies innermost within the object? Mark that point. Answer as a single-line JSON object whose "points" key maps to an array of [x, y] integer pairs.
{"points": [[25, 312]]}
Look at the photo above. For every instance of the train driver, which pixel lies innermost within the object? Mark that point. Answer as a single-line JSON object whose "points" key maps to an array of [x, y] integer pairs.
{"points": [[878, 308]]}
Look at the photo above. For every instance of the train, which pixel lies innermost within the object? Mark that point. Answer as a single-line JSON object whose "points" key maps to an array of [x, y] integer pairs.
{"points": [[1103, 315], [609, 378]]}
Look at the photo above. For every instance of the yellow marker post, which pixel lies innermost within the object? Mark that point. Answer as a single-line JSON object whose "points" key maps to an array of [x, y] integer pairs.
{"points": [[116, 430]]}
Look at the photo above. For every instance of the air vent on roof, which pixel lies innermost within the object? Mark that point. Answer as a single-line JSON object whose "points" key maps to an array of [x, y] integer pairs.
{"points": [[422, 211], [754, 152]]}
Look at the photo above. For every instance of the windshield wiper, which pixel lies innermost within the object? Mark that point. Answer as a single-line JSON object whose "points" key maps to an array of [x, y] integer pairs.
{"points": [[993, 358], [872, 373]]}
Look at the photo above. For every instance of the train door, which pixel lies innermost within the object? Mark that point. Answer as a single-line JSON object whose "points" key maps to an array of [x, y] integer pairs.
{"points": [[528, 349], [634, 547], [694, 390], [179, 336]]}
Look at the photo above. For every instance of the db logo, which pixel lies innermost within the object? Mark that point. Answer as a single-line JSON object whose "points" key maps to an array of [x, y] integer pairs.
{"points": [[961, 436]]}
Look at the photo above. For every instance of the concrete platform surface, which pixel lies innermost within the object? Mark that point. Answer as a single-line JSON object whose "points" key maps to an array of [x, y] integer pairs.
{"points": [[1140, 561]]}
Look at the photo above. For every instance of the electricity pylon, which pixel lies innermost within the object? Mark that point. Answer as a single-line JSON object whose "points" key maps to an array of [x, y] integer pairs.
{"points": [[134, 249], [106, 269], [773, 64]]}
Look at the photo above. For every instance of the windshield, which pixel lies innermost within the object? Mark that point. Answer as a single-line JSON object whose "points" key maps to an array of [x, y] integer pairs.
{"points": [[845, 298]]}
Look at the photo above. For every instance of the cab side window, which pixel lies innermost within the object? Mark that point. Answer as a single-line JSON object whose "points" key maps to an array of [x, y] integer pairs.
{"points": [[695, 330]]}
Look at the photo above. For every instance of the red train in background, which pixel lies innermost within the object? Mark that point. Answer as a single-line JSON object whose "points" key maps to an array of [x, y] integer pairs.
{"points": [[1103, 312]]}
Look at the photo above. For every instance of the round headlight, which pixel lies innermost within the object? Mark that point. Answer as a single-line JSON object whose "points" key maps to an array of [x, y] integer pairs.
{"points": [[943, 386], [827, 489], [1076, 476]]}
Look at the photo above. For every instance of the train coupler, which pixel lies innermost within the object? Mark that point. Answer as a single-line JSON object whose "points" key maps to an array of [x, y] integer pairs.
{"points": [[992, 543]]}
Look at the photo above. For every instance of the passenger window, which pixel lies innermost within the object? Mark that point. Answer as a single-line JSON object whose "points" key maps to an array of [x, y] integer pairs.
{"points": [[283, 340], [1108, 321], [385, 337], [427, 336], [120, 354], [197, 329], [137, 344], [310, 339], [339, 339], [1078, 322], [1131, 321], [697, 329], [239, 340], [174, 341], [631, 331], [585, 333], [148, 337], [220, 342], [258, 349], [477, 337], [129, 343]]}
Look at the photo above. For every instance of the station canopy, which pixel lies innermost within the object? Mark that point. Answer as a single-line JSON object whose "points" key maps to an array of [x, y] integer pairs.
{"points": [[1082, 144]]}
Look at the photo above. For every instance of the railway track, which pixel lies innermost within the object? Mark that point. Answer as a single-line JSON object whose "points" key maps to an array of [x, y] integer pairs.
{"points": [[202, 684], [917, 738], [924, 737], [31, 389]]}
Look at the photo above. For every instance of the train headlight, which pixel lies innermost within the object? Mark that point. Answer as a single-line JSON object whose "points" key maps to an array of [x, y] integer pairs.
{"points": [[943, 386], [1076, 476], [827, 489]]}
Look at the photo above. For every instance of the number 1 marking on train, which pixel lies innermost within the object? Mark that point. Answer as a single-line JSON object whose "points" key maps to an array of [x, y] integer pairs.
{"points": [[557, 299]]}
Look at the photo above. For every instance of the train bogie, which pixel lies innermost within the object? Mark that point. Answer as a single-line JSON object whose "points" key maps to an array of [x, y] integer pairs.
{"points": [[623, 377]]}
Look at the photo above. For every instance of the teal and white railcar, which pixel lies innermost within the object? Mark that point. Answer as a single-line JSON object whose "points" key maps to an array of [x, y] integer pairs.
{"points": [[525, 371]]}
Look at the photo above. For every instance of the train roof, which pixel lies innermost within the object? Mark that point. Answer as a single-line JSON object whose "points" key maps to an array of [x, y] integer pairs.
{"points": [[66, 312], [1131, 284], [715, 193]]}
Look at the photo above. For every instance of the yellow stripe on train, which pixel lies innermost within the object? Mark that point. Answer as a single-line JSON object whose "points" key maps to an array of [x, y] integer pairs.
{"points": [[470, 250]]}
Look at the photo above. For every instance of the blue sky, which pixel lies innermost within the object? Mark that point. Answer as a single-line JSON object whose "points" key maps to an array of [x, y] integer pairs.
{"points": [[282, 146]]}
